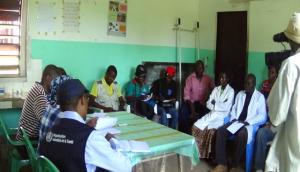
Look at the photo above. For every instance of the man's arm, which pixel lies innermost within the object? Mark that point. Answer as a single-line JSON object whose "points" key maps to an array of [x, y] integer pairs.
{"points": [[99, 153], [93, 103], [281, 94], [39, 106], [261, 113]]}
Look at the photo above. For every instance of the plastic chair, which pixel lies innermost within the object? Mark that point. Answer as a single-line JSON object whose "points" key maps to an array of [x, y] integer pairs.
{"points": [[16, 162], [249, 146], [30, 151], [45, 165]]}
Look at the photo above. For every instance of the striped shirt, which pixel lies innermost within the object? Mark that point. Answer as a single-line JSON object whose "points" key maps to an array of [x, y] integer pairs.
{"points": [[33, 109]]}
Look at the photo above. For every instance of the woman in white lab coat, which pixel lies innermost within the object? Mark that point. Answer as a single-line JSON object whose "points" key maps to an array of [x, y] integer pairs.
{"points": [[219, 104], [284, 108]]}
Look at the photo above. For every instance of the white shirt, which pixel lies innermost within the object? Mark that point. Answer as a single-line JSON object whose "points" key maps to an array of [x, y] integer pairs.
{"points": [[284, 112], [98, 152]]}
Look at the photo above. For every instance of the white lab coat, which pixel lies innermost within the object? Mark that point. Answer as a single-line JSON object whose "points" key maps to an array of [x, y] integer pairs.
{"points": [[284, 111], [224, 101], [256, 110]]}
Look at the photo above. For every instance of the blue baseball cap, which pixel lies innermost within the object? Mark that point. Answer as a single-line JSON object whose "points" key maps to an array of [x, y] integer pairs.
{"points": [[71, 88]]}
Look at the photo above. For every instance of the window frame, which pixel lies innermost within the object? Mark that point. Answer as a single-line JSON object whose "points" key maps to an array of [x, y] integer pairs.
{"points": [[23, 49]]}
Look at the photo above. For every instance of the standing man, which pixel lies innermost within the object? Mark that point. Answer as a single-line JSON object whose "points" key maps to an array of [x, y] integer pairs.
{"points": [[198, 87], [106, 94], [284, 103]]}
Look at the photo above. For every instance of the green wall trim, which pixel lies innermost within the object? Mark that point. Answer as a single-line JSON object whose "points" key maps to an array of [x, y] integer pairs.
{"points": [[88, 61], [257, 66]]}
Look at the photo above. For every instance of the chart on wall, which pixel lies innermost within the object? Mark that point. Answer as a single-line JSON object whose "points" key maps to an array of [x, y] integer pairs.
{"points": [[117, 18], [71, 16]]}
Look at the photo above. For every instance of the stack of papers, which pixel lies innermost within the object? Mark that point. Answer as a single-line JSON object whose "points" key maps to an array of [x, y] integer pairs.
{"points": [[129, 145], [234, 127], [105, 122]]}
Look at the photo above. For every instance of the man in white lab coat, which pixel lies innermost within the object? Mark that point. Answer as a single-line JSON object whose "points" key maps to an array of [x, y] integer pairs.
{"points": [[284, 107], [249, 109]]}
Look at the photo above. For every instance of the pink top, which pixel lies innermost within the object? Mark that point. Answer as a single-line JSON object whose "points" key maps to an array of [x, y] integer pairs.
{"points": [[198, 89]]}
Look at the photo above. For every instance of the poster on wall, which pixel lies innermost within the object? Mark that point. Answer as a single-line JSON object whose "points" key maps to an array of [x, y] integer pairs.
{"points": [[117, 18], [71, 16], [46, 17]]}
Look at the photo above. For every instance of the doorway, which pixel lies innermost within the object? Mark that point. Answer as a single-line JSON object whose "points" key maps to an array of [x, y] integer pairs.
{"points": [[231, 48]]}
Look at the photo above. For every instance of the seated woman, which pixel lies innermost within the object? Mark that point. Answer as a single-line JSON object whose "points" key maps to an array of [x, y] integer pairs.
{"points": [[137, 94], [219, 104], [267, 133], [267, 84]]}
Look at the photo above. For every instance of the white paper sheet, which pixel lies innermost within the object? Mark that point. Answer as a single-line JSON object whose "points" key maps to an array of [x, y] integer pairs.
{"points": [[110, 130], [234, 127], [201, 125], [129, 145], [105, 122]]}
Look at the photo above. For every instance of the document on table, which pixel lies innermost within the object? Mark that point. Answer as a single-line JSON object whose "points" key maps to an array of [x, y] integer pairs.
{"points": [[234, 127], [110, 130], [129, 145], [105, 122]]}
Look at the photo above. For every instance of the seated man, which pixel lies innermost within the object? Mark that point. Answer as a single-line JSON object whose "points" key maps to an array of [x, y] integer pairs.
{"points": [[164, 91], [137, 94], [34, 107], [219, 103], [72, 145], [198, 87], [106, 93], [250, 109]]}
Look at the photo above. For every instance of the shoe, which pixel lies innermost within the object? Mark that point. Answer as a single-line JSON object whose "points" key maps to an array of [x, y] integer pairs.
{"points": [[219, 168]]}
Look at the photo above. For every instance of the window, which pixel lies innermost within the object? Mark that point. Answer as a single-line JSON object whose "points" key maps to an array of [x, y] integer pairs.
{"points": [[12, 39]]}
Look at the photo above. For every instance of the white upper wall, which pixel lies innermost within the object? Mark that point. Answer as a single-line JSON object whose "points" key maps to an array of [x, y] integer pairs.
{"points": [[148, 22], [267, 18], [208, 18]]}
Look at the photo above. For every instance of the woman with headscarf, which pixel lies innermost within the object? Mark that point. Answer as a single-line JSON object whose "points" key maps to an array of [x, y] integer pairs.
{"points": [[53, 110]]}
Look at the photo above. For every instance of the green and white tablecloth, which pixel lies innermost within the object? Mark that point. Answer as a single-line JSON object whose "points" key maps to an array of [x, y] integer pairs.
{"points": [[162, 140]]}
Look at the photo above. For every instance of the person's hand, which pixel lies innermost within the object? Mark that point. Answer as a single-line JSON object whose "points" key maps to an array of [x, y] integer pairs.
{"points": [[108, 136], [213, 102], [92, 122]]}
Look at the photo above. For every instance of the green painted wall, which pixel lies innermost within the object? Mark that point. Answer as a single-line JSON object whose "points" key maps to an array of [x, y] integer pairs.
{"points": [[88, 61], [256, 65]]}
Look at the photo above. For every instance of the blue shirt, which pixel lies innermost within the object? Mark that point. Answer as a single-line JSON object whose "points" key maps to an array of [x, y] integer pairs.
{"points": [[48, 119]]}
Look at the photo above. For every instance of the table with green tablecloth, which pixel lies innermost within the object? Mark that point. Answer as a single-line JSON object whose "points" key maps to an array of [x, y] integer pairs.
{"points": [[161, 139]]}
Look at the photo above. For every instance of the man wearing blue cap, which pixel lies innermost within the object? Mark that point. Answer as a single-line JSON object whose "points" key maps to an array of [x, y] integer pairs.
{"points": [[72, 145]]}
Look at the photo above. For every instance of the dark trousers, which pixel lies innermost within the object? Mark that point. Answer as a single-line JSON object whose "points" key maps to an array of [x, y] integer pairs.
{"points": [[143, 109], [240, 142], [185, 122]]}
